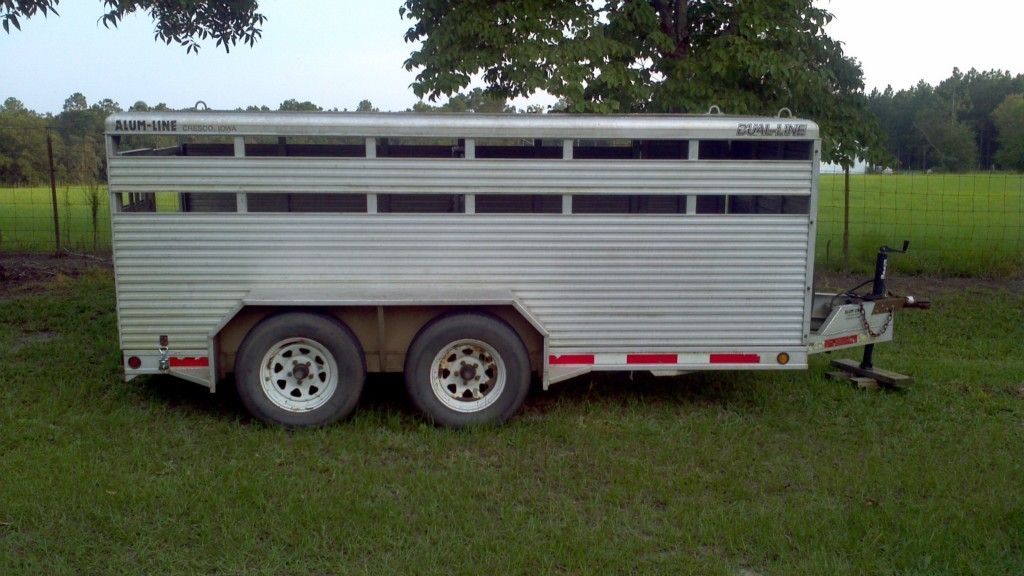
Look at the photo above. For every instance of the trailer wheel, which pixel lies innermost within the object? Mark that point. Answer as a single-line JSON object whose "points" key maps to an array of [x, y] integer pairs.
{"points": [[467, 368], [300, 369]]}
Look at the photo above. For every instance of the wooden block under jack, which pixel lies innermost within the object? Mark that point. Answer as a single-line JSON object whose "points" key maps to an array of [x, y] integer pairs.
{"points": [[852, 370], [858, 381], [865, 383]]}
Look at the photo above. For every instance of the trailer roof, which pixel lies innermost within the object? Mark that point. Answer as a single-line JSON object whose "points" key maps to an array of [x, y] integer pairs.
{"points": [[412, 124]]}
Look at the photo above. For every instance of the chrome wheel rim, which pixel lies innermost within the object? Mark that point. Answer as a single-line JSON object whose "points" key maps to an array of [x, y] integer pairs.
{"points": [[467, 375], [298, 374]]}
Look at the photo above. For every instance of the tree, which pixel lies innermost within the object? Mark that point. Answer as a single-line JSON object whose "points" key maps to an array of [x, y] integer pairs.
{"points": [[12, 105], [22, 144], [897, 112], [184, 22], [366, 106], [950, 141], [926, 124], [476, 100], [75, 103], [293, 105], [751, 57], [1009, 121], [983, 92]]}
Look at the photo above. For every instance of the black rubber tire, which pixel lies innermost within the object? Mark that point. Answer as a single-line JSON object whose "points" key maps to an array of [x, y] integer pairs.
{"points": [[471, 325], [324, 329]]}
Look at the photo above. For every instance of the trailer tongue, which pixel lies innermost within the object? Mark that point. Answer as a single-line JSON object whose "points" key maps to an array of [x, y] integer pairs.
{"points": [[862, 320]]}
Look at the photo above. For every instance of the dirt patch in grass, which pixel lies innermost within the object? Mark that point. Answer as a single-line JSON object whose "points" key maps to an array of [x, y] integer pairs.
{"points": [[920, 286], [22, 273], [28, 338]]}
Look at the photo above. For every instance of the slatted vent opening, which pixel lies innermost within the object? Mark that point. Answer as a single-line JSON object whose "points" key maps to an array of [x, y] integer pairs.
{"points": [[208, 202], [150, 202], [620, 149], [306, 146], [166, 145], [518, 204], [306, 202], [628, 204], [526, 148], [420, 148], [755, 150], [755, 204], [421, 203]]}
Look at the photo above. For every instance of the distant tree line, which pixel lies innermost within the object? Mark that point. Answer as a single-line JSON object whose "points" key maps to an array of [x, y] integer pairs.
{"points": [[968, 121], [77, 133]]}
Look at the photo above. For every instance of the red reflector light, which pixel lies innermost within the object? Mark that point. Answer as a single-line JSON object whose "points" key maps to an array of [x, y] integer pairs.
{"points": [[134, 363]]}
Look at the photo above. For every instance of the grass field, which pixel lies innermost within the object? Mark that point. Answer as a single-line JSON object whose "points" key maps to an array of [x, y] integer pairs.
{"points": [[958, 224], [731, 473], [26, 219]]}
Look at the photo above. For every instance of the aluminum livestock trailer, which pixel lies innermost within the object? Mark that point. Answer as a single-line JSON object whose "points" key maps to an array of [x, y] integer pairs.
{"points": [[300, 251]]}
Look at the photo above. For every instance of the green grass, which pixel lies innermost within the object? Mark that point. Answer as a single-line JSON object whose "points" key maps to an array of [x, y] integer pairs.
{"points": [[958, 224], [775, 473], [26, 219]]}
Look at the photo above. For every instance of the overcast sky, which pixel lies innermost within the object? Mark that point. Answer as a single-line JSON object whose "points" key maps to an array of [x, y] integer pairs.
{"points": [[337, 52]]}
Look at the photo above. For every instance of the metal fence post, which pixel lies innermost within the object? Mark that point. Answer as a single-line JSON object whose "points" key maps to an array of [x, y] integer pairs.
{"points": [[53, 193], [846, 219]]}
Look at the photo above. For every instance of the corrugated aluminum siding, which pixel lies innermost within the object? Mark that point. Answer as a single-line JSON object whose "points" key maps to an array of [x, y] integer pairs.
{"points": [[447, 176], [621, 283]]}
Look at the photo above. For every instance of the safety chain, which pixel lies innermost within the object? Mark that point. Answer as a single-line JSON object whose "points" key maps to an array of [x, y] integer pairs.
{"points": [[867, 325], [165, 363]]}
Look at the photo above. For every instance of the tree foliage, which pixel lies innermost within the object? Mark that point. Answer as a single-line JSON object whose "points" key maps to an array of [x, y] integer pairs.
{"points": [[929, 126], [949, 140], [293, 105], [183, 22], [476, 100], [22, 144], [1008, 118], [749, 57], [77, 134], [366, 106]]}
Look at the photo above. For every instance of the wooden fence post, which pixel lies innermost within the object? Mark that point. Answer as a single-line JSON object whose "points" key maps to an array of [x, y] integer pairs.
{"points": [[53, 193]]}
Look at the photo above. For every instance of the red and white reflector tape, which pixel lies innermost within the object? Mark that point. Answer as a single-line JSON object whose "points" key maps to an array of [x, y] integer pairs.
{"points": [[652, 359], [735, 358]]}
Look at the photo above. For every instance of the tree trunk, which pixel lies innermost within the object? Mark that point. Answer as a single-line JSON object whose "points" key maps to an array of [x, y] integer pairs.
{"points": [[673, 19]]}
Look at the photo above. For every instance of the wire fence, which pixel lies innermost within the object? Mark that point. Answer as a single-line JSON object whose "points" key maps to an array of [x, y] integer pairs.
{"points": [[958, 224], [82, 225], [969, 224]]}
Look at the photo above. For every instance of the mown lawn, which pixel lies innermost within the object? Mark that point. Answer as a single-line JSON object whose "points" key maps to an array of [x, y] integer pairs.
{"points": [[733, 473], [958, 224]]}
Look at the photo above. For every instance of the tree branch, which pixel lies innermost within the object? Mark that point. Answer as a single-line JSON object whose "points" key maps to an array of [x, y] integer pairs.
{"points": [[682, 35], [673, 22]]}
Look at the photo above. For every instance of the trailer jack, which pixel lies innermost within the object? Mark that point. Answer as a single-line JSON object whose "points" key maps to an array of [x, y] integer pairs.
{"points": [[864, 373]]}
